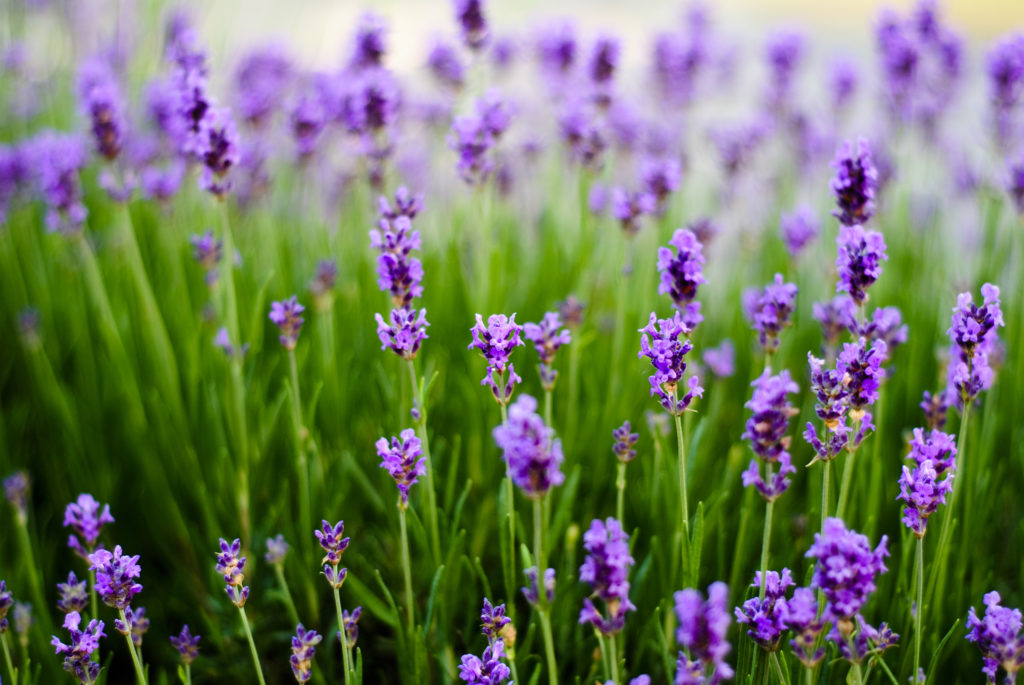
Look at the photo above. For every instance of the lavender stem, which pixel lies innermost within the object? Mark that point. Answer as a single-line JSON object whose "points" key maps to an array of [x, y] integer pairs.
{"points": [[918, 618], [7, 657], [406, 569], [766, 538], [139, 673], [300, 443], [252, 645], [421, 430], [346, 657], [684, 506], [620, 485], [293, 614], [542, 599]]}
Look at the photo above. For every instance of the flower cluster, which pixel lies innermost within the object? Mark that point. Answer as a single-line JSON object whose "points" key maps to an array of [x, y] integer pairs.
{"points": [[854, 184], [629, 207], [766, 429], [660, 177], [496, 339], [681, 274], [78, 654], [404, 333], [831, 393], [187, 645], [134, 625], [350, 619], [766, 617], [115, 576], [720, 360], [207, 251], [231, 565], [304, 644], [861, 254], [836, 317], [287, 315], [606, 568], [6, 602], [532, 454], [102, 101], [85, 517], [998, 636], [769, 311], [277, 550], [660, 343], [16, 488], [547, 339], [921, 489], [73, 594], [799, 228], [703, 625], [55, 161], [488, 669], [845, 570], [216, 146], [624, 441], [974, 339], [862, 365], [801, 617], [532, 590], [330, 538], [403, 459]]}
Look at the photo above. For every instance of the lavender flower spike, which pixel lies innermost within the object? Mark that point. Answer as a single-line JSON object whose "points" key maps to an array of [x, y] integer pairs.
{"points": [[277, 550], [606, 568], [801, 617], [766, 429], [6, 602], [405, 332], [547, 339], [73, 594], [624, 441], [845, 571], [115, 576], [304, 644], [187, 645], [854, 184], [702, 630], [216, 145], [103, 103], [330, 538], [16, 489], [78, 654], [287, 315], [86, 518], [488, 670], [920, 488], [766, 617], [403, 459], [532, 590], [769, 311], [974, 339], [681, 274], [231, 565], [998, 636], [496, 340], [533, 456], [799, 228], [473, 24], [660, 342], [861, 254]]}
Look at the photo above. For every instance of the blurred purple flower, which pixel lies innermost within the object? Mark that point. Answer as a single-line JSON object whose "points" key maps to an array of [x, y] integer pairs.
{"points": [[606, 568], [533, 456], [703, 626]]}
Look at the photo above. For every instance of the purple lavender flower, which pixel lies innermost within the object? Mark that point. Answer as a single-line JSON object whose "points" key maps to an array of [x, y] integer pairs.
{"points": [[769, 311], [767, 617], [998, 636], [863, 365], [307, 118], [855, 183], [406, 204], [766, 429], [23, 620], [405, 333], [604, 59], [496, 340], [488, 670], [351, 622], [372, 102], [831, 392], [231, 565], [845, 570], [861, 254], [1015, 184], [837, 316], [6, 602], [135, 625], [472, 140], [703, 626], [660, 177], [86, 518], [736, 144], [287, 315], [843, 79], [472, 23], [557, 49], [783, 53], [73, 595], [162, 182], [934, 458], [681, 274], [304, 644], [330, 538], [934, 408], [403, 459], [495, 112], [974, 340], [624, 441], [207, 251], [584, 136], [867, 641], [446, 65], [660, 343], [277, 549], [368, 44], [115, 576], [1005, 67], [78, 654], [216, 146], [629, 207], [101, 99], [887, 325], [532, 590], [55, 160], [322, 283], [606, 568], [801, 616], [799, 228], [532, 454], [186, 644], [547, 339], [222, 340], [398, 272], [261, 80], [493, 620], [721, 360], [16, 489]]}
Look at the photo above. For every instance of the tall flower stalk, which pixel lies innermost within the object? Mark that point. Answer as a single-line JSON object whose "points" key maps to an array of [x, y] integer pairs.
{"points": [[115, 582], [334, 545], [231, 565], [625, 439]]}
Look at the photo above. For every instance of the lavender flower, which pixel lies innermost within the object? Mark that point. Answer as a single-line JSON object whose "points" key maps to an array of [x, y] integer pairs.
{"points": [[659, 342], [472, 140], [532, 454], [836, 317], [660, 177], [187, 645], [6, 602], [769, 311], [801, 616], [307, 118], [135, 624], [223, 340], [624, 441], [446, 65], [974, 340], [406, 204], [277, 549], [843, 79], [934, 408], [261, 80], [845, 570], [799, 228], [217, 147], [488, 670], [630, 207], [867, 641], [115, 576], [681, 274], [767, 617], [403, 459], [86, 518], [496, 340], [495, 113], [207, 251], [547, 340], [493, 620], [783, 53], [101, 100], [886, 324], [859, 262], [584, 136], [831, 392], [74, 595], [1015, 184], [472, 23], [16, 488], [606, 568], [854, 184], [372, 102], [322, 283], [721, 360], [766, 429], [304, 644], [863, 366], [532, 590], [231, 565], [55, 160], [78, 654], [998, 636], [398, 272], [703, 626], [920, 488], [330, 538], [23, 621], [351, 622], [1005, 67], [287, 315], [405, 333], [369, 46]]}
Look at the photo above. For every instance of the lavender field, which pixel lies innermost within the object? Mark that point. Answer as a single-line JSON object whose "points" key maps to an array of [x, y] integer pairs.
{"points": [[689, 354]]}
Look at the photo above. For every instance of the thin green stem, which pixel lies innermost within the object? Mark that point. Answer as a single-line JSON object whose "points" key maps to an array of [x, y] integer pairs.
{"points": [[289, 603], [93, 607], [614, 658], [824, 492], [766, 540], [844, 487], [421, 429], [684, 508], [300, 443], [30, 561], [140, 674], [777, 667], [252, 646], [188, 674], [919, 614], [938, 565], [547, 408], [406, 570], [511, 516], [620, 486], [542, 598], [7, 657], [346, 656]]}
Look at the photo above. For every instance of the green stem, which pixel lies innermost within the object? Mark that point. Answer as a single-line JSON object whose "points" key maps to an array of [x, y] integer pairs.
{"points": [[188, 674], [252, 646], [684, 509], [918, 618], [289, 603], [844, 487], [136, 661], [421, 429], [346, 657], [406, 569], [766, 542], [620, 485], [614, 658], [511, 516], [300, 447], [938, 565], [30, 561], [824, 492], [547, 408], [7, 657], [93, 608], [777, 667], [542, 598]]}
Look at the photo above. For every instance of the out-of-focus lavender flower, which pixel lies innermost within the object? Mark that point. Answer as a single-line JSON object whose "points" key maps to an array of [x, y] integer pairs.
{"points": [[1015, 184], [921, 488], [799, 227], [681, 274], [307, 119], [495, 112], [231, 565], [372, 102], [766, 429], [660, 177], [368, 44], [974, 338], [801, 616], [403, 459], [624, 441], [472, 23], [934, 408], [868, 640], [207, 251], [223, 340], [277, 549], [101, 100], [571, 310], [162, 182], [843, 79], [784, 52], [861, 254], [404, 332], [845, 570], [115, 576], [322, 284], [721, 360], [854, 184], [351, 622], [304, 644], [72, 595], [532, 454], [134, 626], [604, 59], [998, 636], [216, 146], [406, 204], [78, 654], [678, 61], [261, 80], [606, 568], [504, 50], [703, 626], [886, 324], [6, 602], [861, 363], [547, 339], [769, 311], [767, 617], [557, 48], [1005, 67], [584, 136], [736, 144], [472, 140], [837, 316], [23, 621], [496, 340], [287, 315], [13, 174], [330, 538], [187, 645], [55, 160], [398, 272], [660, 343], [532, 590], [446, 65], [488, 670], [16, 489], [705, 228], [629, 207]]}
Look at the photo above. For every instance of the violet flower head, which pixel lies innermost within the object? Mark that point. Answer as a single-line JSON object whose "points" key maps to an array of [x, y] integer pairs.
{"points": [[16, 489], [974, 339], [799, 228], [533, 456], [369, 45], [606, 568], [55, 160], [277, 549], [681, 274], [660, 177], [660, 343], [403, 459], [103, 103], [604, 60], [187, 645], [703, 626], [624, 442], [472, 23], [231, 565], [557, 49], [843, 79], [494, 111], [162, 182], [766, 617], [222, 340], [721, 360], [135, 625], [472, 140], [868, 640], [78, 654], [854, 184], [324, 279], [307, 119], [935, 408], [584, 135], [784, 52], [630, 207], [845, 570], [398, 272], [216, 147], [404, 332], [331, 540], [831, 392], [372, 103], [446, 65], [836, 316], [23, 619], [304, 644], [1015, 184], [350, 619], [493, 620], [998, 636], [766, 429], [1005, 67], [86, 518], [115, 576], [769, 311], [547, 339], [496, 340], [862, 364], [801, 617], [407, 204], [859, 262], [488, 670], [6, 602], [207, 251], [261, 80], [886, 324], [921, 488], [73, 595], [531, 592], [287, 315]]}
